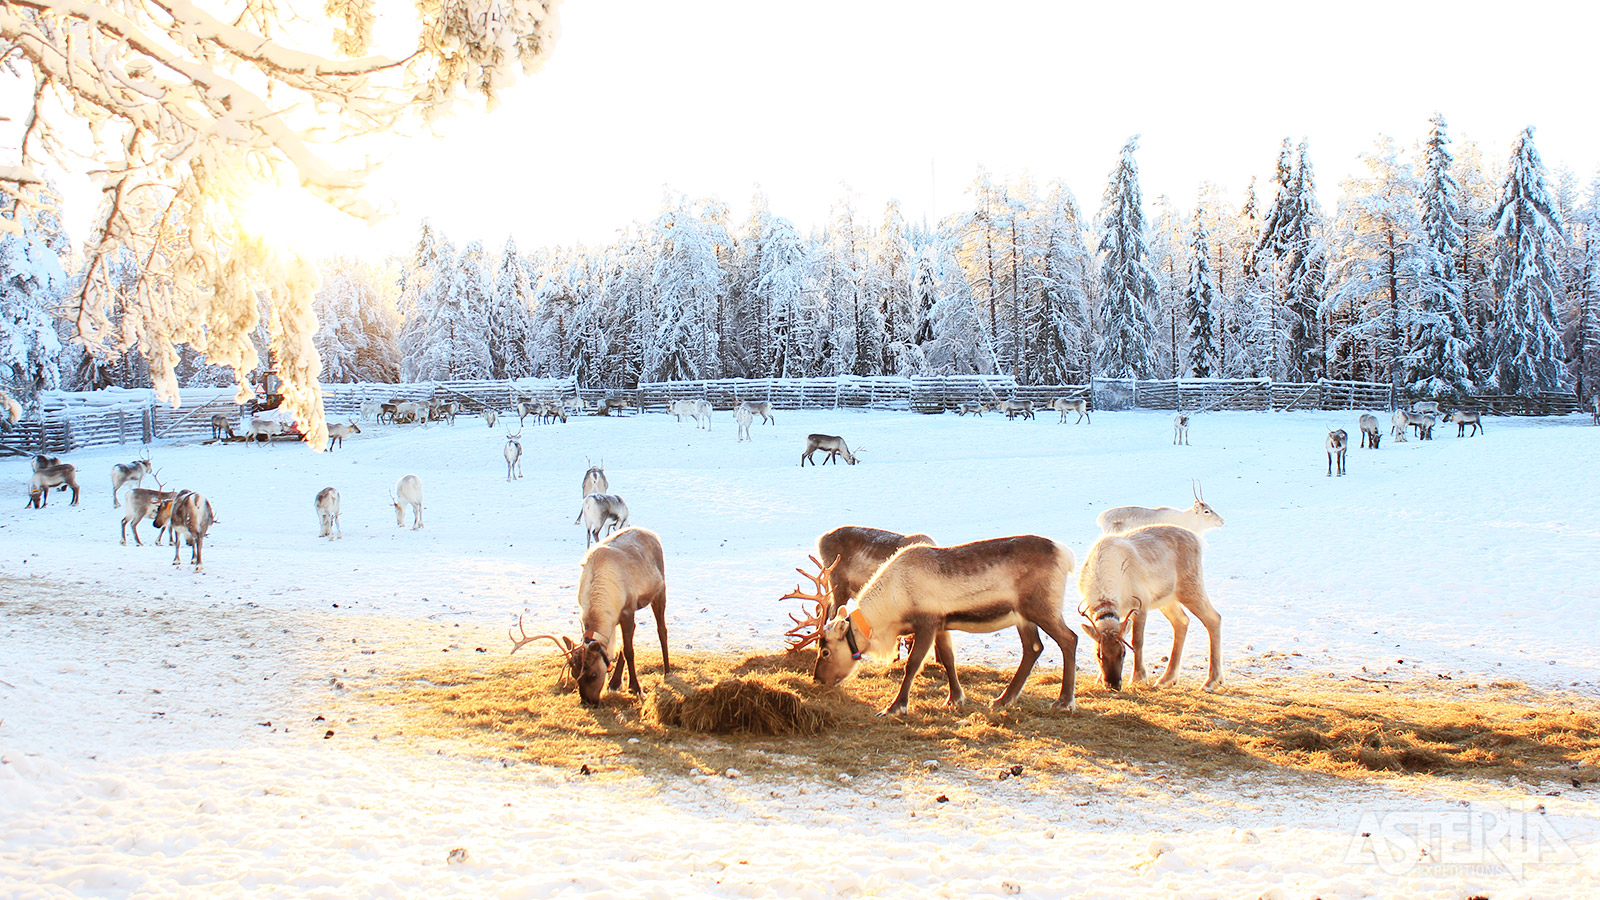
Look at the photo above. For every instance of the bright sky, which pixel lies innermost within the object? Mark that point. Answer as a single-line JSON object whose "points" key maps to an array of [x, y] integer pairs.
{"points": [[907, 99]]}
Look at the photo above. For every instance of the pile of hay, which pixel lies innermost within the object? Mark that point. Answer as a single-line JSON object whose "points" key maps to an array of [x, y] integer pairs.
{"points": [[740, 706]]}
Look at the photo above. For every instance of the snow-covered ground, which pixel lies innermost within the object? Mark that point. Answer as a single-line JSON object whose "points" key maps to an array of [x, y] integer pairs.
{"points": [[158, 730]]}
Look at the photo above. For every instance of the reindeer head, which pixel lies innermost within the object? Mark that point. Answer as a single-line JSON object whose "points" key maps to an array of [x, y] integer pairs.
{"points": [[1203, 510], [839, 647], [1111, 646], [588, 665], [354, 427]]}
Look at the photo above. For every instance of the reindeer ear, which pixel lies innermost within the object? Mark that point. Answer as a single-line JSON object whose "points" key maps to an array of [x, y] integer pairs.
{"points": [[568, 641], [1089, 630]]}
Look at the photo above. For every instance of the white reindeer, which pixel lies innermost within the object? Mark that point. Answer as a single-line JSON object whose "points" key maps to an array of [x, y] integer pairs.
{"points": [[1125, 577], [1397, 426], [600, 510], [220, 427], [970, 407], [142, 502], [681, 408], [1370, 436], [832, 443], [594, 480], [1180, 428], [338, 431], [489, 416], [264, 430], [927, 592], [1338, 442], [128, 473], [622, 575], [1426, 407], [407, 492], [1198, 518], [1079, 405], [1014, 408], [370, 410], [742, 418], [513, 455], [702, 414], [1463, 419], [328, 512]]}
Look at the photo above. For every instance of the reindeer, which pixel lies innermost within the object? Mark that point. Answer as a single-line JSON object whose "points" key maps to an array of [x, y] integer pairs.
{"points": [[742, 418], [221, 427], [143, 502], [1125, 577], [702, 414], [854, 554], [681, 408], [598, 511], [1079, 405], [389, 411], [553, 411], [264, 429], [1338, 442], [927, 592], [763, 409], [594, 480], [338, 431], [489, 416], [970, 407], [1198, 518], [1397, 426], [407, 492], [187, 514], [513, 455], [622, 575], [1429, 407], [1369, 431], [328, 512], [408, 411], [525, 408], [1423, 424], [832, 443], [370, 411], [1463, 419], [44, 462], [125, 473], [62, 475], [1014, 408], [445, 411], [1180, 428]]}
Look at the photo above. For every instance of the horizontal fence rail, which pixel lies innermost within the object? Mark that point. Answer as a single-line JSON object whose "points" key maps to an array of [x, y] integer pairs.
{"points": [[66, 421]]}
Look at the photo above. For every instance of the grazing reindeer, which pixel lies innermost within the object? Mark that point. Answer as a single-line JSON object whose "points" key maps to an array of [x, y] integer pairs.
{"points": [[127, 473], [1369, 431], [594, 480], [188, 514], [338, 431], [854, 554], [143, 502], [370, 410], [1015, 408], [1180, 428], [742, 418], [1079, 405], [513, 455], [1198, 518], [221, 427], [600, 510], [1338, 442], [1463, 419], [409, 411], [970, 407], [927, 592], [702, 414], [832, 443], [1428, 407], [1397, 426], [1125, 577], [264, 429], [489, 416], [621, 576], [762, 408], [1423, 424], [62, 476], [407, 492], [328, 512]]}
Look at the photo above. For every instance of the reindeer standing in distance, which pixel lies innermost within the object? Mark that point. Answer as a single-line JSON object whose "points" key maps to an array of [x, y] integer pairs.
{"points": [[1369, 431], [1180, 428], [513, 455], [407, 492], [1198, 518], [128, 473], [1338, 442], [832, 443], [328, 512]]}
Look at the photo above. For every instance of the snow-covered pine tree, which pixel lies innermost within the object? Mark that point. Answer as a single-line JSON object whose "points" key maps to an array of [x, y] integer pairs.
{"points": [[357, 323], [32, 282], [781, 288], [960, 344], [1585, 236], [889, 276], [1479, 188], [1127, 286], [686, 291], [1525, 340], [1057, 333], [1436, 365], [1169, 263], [509, 326], [1200, 301]]}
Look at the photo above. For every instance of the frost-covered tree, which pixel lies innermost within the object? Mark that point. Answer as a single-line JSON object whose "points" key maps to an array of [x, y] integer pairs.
{"points": [[446, 298], [1437, 364], [1057, 334], [509, 326], [888, 281], [960, 342], [1585, 239], [1525, 341], [1380, 255], [687, 290], [358, 323], [781, 289], [31, 283], [1127, 286], [1293, 256], [192, 111], [1170, 265], [1200, 300]]}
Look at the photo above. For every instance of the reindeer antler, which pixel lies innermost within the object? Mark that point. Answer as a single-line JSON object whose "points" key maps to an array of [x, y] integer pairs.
{"points": [[526, 639], [808, 628]]}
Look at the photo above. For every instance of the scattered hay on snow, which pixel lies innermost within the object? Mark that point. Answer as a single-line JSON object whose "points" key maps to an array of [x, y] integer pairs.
{"points": [[740, 706]]}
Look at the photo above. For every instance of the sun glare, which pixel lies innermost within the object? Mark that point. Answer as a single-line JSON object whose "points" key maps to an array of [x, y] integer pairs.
{"points": [[289, 217]]}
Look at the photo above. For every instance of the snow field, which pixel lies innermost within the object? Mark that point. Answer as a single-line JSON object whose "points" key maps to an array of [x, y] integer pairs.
{"points": [[133, 761]]}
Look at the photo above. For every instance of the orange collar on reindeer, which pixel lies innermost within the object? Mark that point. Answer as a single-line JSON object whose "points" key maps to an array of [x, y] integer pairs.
{"points": [[859, 621]]}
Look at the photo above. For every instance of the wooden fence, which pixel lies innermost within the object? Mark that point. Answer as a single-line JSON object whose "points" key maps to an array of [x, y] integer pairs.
{"points": [[69, 421]]}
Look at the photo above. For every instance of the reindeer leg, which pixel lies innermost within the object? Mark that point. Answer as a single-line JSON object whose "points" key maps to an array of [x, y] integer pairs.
{"points": [[1140, 673], [658, 606], [922, 641], [627, 622], [1196, 601], [945, 652], [1067, 640], [1180, 630], [1030, 654]]}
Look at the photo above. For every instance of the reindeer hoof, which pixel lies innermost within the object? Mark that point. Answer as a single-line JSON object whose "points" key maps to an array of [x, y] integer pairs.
{"points": [[1212, 685], [957, 701], [895, 709], [1068, 706]]}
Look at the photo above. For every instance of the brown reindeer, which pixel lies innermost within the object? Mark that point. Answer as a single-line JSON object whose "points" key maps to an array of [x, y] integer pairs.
{"points": [[188, 514], [1338, 442], [847, 558], [927, 592], [832, 443], [621, 575], [60, 475], [143, 502]]}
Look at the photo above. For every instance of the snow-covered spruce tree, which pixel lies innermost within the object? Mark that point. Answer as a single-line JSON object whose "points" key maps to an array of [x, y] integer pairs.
{"points": [[1127, 286], [843, 264], [960, 344], [889, 274], [192, 112], [509, 327], [1292, 249], [32, 282], [1585, 234], [1379, 247], [1479, 190], [357, 323], [781, 290], [1525, 340], [1170, 264], [1200, 296], [1436, 365], [446, 298], [1057, 333], [686, 291]]}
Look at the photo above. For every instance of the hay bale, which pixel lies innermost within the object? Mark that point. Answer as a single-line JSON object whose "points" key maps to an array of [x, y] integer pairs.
{"points": [[740, 706]]}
